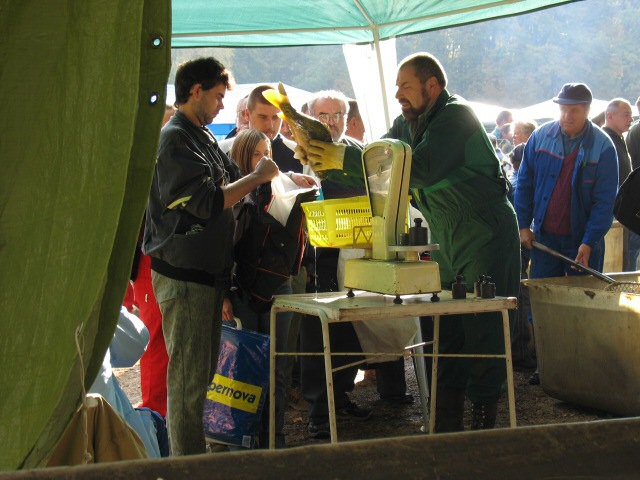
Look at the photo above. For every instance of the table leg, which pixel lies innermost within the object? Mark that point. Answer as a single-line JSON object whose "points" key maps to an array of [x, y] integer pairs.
{"points": [[421, 376], [328, 373], [434, 372], [272, 378], [509, 366]]}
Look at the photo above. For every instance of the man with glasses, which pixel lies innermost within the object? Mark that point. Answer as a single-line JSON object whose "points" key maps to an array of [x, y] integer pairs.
{"points": [[331, 108], [459, 187]]}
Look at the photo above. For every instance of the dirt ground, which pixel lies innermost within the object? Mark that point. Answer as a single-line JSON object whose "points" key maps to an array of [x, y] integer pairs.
{"points": [[533, 407]]}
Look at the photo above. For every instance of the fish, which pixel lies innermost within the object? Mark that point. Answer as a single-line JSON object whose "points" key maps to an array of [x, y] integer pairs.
{"points": [[303, 127]]}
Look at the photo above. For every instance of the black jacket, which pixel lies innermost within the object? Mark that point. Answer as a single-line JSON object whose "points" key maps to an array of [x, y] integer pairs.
{"points": [[187, 233]]}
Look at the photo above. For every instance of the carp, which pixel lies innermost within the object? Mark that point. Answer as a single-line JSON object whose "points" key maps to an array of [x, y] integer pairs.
{"points": [[303, 127]]}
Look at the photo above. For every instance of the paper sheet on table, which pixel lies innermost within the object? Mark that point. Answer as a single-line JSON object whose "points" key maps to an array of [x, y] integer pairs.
{"points": [[385, 335]]}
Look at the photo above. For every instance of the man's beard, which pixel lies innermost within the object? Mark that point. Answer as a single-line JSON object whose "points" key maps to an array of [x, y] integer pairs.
{"points": [[412, 114]]}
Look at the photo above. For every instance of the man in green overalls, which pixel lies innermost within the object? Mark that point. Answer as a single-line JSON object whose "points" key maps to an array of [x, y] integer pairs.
{"points": [[459, 187]]}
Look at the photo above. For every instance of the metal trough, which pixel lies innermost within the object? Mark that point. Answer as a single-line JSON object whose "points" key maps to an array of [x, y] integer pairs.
{"points": [[588, 341]]}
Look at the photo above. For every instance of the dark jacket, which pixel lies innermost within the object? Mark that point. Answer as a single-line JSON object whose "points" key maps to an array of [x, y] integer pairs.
{"points": [[624, 161], [283, 155], [187, 232]]}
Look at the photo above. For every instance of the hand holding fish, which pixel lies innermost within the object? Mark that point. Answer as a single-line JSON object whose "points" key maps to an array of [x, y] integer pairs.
{"points": [[300, 154], [325, 155]]}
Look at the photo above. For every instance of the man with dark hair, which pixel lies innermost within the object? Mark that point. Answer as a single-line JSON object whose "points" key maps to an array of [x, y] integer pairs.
{"points": [[459, 187], [355, 125], [504, 117], [263, 116], [189, 237]]}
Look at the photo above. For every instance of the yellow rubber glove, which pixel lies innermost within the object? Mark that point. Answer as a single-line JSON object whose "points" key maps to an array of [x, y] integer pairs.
{"points": [[325, 156], [300, 154]]}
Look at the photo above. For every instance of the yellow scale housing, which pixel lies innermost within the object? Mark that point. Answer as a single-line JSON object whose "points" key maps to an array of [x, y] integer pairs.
{"points": [[388, 267], [374, 223]]}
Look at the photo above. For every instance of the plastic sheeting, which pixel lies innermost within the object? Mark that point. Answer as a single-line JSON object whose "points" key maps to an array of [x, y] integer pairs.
{"points": [[82, 90], [364, 71]]}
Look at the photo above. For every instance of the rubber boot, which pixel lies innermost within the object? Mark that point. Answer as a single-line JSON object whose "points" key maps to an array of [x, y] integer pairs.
{"points": [[449, 410], [483, 417]]}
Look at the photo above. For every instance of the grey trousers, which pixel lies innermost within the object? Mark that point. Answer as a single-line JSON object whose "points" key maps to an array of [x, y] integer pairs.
{"points": [[191, 323]]}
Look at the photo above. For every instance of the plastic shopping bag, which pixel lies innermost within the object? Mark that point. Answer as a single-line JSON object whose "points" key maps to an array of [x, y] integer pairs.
{"points": [[284, 194], [237, 394]]}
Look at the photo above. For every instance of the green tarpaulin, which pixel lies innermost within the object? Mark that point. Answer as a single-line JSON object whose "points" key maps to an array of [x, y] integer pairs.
{"points": [[77, 147]]}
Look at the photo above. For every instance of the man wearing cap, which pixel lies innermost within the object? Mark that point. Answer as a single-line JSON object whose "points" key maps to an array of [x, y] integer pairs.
{"points": [[566, 187]]}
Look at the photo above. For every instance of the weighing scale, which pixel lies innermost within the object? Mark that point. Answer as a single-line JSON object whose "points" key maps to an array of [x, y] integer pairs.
{"points": [[391, 266]]}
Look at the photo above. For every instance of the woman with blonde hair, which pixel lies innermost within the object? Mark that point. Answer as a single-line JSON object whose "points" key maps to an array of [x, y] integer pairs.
{"points": [[248, 148], [246, 302]]}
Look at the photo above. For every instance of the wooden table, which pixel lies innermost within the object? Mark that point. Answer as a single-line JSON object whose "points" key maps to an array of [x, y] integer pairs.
{"points": [[335, 307]]}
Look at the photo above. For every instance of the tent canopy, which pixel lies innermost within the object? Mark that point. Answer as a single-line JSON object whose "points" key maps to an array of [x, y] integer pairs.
{"points": [[260, 23], [257, 23]]}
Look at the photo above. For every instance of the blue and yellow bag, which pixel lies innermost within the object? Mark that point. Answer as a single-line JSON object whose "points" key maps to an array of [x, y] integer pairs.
{"points": [[237, 394]]}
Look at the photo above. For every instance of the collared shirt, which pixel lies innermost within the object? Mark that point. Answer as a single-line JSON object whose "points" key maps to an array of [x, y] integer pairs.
{"points": [[571, 143]]}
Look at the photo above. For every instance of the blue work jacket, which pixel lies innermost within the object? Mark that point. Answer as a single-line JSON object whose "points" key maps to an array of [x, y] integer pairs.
{"points": [[594, 183]]}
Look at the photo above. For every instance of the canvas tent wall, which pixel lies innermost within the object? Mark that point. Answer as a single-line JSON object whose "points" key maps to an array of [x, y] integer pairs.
{"points": [[82, 85]]}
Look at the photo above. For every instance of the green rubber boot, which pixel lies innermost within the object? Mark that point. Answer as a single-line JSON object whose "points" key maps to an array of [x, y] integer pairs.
{"points": [[449, 410]]}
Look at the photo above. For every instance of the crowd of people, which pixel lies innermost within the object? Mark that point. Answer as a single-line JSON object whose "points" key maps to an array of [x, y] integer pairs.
{"points": [[485, 196]]}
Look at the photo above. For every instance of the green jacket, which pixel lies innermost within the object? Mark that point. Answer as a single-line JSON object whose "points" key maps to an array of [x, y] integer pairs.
{"points": [[452, 156], [459, 187]]}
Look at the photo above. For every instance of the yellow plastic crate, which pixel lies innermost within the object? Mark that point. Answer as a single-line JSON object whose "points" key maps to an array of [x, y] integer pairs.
{"points": [[330, 223]]}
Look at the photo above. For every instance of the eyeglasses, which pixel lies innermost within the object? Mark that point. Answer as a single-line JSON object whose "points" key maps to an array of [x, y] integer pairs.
{"points": [[324, 117]]}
